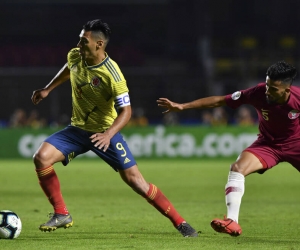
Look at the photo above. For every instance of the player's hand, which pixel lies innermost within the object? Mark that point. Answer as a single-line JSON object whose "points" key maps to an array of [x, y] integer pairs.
{"points": [[169, 105], [101, 140], [39, 95]]}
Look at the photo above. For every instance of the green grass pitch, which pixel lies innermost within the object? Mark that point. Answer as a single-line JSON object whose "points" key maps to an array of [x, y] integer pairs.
{"points": [[107, 214]]}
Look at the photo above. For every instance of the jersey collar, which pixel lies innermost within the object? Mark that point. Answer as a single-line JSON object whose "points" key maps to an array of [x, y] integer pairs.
{"points": [[98, 65]]}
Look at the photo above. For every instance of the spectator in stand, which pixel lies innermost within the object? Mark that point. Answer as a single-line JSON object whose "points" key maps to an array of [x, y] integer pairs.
{"points": [[138, 118], [34, 121], [206, 118], [219, 117], [244, 117], [171, 119], [18, 119]]}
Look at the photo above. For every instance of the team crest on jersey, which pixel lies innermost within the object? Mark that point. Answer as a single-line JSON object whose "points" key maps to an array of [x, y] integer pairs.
{"points": [[236, 95], [293, 114], [95, 82]]}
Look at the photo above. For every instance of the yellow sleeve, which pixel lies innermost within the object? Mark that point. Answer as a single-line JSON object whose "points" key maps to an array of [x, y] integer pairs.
{"points": [[73, 57]]}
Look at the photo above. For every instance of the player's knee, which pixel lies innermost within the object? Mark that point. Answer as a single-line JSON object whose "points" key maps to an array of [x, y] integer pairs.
{"points": [[40, 157]]}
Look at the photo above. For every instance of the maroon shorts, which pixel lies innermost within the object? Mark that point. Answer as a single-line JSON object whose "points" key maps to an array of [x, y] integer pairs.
{"points": [[270, 154]]}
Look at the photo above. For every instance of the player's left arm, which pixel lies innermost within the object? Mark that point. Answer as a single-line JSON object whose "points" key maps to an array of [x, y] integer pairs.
{"points": [[102, 140], [120, 122]]}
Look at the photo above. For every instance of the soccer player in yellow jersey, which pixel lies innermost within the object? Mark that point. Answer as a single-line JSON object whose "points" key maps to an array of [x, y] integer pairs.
{"points": [[98, 89]]}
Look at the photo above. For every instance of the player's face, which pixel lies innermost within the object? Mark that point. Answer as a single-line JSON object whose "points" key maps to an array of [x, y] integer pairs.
{"points": [[276, 92], [87, 46]]}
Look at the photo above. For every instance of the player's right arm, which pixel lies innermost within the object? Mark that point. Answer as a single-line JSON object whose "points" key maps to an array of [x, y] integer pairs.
{"points": [[62, 76], [203, 103]]}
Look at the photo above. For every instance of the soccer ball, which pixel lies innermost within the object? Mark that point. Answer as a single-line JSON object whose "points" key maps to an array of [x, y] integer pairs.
{"points": [[10, 225]]}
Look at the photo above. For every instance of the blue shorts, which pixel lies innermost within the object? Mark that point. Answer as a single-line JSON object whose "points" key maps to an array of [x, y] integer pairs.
{"points": [[73, 141]]}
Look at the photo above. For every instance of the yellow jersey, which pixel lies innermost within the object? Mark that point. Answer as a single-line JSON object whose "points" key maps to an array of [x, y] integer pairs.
{"points": [[94, 92]]}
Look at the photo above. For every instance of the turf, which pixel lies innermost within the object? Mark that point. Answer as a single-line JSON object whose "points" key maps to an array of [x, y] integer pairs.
{"points": [[109, 215]]}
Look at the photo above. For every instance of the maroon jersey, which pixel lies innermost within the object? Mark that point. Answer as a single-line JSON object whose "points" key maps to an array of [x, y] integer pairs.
{"points": [[277, 123]]}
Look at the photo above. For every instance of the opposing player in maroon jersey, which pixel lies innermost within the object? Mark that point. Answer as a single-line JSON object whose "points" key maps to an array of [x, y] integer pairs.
{"points": [[277, 103]]}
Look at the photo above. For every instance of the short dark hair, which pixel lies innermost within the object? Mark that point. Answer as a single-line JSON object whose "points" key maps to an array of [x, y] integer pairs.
{"points": [[282, 71], [97, 26]]}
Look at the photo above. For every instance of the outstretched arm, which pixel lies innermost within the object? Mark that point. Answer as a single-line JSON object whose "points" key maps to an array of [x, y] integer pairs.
{"points": [[207, 102], [62, 76]]}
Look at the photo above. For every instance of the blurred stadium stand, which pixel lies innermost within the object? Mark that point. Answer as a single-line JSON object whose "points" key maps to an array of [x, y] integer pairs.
{"points": [[180, 49]]}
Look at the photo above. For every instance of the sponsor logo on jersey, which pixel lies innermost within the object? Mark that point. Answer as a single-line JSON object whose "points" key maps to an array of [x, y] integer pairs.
{"points": [[236, 95], [293, 114], [95, 82]]}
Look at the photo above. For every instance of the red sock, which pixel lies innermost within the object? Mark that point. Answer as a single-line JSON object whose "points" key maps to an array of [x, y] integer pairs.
{"points": [[156, 198], [50, 184]]}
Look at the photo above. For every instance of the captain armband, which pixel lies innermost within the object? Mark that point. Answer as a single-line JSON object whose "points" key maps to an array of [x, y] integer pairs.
{"points": [[122, 100]]}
